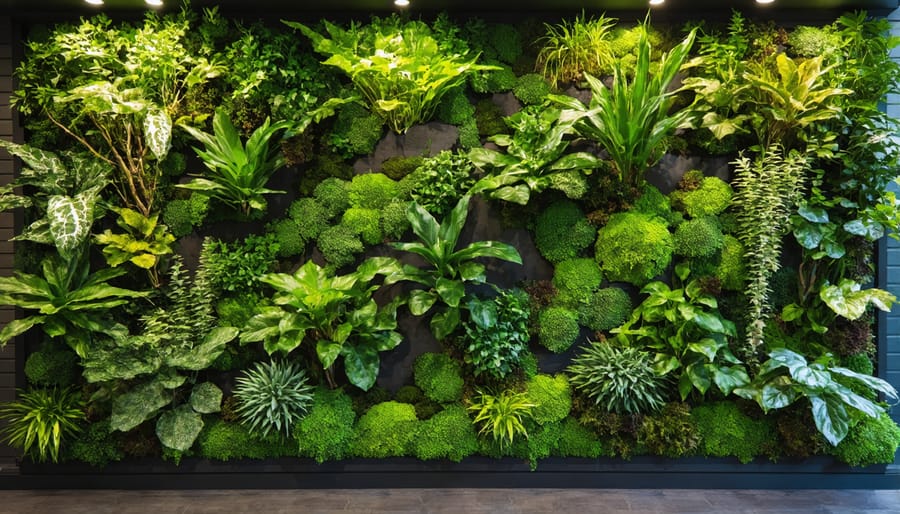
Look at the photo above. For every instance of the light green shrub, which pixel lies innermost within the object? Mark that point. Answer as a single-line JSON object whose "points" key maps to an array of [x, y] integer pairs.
{"points": [[449, 434], [287, 233], [578, 277], [365, 223], [531, 89], [372, 191], [870, 441], [732, 268], [605, 309], [725, 431], [385, 430], [333, 195], [710, 199], [698, 237], [326, 432], [339, 245], [311, 217]]}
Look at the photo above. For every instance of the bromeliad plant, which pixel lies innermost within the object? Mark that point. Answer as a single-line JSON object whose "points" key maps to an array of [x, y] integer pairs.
{"points": [[40, 420], [502, 416], [689, 335], [142, 243], [451, 269], [632, 119], [787, 377], [536, 158], [400, 68], [336, 313]]}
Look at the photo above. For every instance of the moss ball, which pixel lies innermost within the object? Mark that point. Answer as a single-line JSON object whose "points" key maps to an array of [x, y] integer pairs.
{"points": [[332, 194], [552, 397], [365, 223], [710, 199], [385, 430], [326, 431], [870, 441], [394, 222], [339, 245], [449, 434], [562, 231], [698, 237], [579, 276], [287, 233], [310, 217], [531, 89], [732, 268], [372, 191], [558, 328], [605, 309], [634, 247], [439, 377]]}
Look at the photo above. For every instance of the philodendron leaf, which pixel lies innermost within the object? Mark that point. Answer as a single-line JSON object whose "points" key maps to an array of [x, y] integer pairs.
{"points": [[361, 364], [206, 398], [70, 221], [830, 417], [138, 405], [849, 301], [178, 429], [203, 354], [158, 132]]}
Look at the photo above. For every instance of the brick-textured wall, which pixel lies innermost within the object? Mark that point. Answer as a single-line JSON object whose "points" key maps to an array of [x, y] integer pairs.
{"points": [[8, 131]]}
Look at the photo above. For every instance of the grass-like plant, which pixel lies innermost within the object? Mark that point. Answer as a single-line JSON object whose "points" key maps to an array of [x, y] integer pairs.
{"points": [[573, 48], [632, 119], [399, 68], [273, 396], [502, 416], [620, 379], [40, 420]]}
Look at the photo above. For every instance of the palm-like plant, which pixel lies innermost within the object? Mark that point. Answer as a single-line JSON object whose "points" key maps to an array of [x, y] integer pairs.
{"points": [[502, 416], [451, 268], [40, 420], [273, 396], [632, 119]]}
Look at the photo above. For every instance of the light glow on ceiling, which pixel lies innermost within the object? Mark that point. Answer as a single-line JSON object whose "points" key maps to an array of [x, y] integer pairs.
{"points": [[657, 2], [765, 1], [154, 3], [401, 3], [94, 2]]}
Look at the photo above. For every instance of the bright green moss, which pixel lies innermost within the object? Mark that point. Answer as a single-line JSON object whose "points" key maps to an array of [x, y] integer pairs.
{"points": [[711, 198], [339, 245], [725, 431], [576, 440], [860, 363], [698, 237], [95, 445], [653, 203], [356, 131], [578, 277], [558, 328], [220, 440], [806, 41], [634, 247], [235, 311], [531, 89], [455, 107], [605, 309], [365, 223], [562, 231], [177, 216], [372, 191], [732, 268], [287, 233], [310, 216], [551, 396], [333, 195], [501, 81], [449, 434], [394, 222], [439, 377], [326, 431], [386, 430], [870, 441]]}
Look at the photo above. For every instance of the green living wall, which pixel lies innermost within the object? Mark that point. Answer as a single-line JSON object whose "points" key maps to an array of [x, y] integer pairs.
{"points": [[448, 238]]}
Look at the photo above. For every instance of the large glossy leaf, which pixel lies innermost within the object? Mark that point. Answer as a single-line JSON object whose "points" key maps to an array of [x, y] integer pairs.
{"points": [[874, 383], [138, 405], [18, 326], [361, 365], [830, 417], [849, 301], [178, 429], [203, 354], [328, 352], [729, 379], [444, 323], [421, 301], [450, 291], [493, 249], [777, 396]]}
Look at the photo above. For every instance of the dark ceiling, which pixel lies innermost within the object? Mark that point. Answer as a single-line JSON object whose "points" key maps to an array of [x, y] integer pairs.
{"points": [[265, 7]]}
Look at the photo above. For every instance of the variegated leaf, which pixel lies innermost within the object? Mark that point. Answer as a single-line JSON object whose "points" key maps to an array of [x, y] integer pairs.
{"points": [[41, 162], [70, 221], [158, 132]]}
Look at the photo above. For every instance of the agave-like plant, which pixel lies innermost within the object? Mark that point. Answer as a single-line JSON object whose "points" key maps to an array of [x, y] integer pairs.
{"points": [[273, 396]]}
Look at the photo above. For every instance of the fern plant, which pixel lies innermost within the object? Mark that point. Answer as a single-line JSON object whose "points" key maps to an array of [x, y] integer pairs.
{"points": [[273, 396], [766, 190], [40, 420]]}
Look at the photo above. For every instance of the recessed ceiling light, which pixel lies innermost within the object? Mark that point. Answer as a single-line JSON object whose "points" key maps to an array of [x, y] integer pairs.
{"points": [[401, 3], [154, 3], [765, 1], [657, 2], [94, 2]]}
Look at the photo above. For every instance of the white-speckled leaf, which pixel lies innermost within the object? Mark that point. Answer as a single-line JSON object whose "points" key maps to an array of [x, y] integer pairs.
{"points": [[41, 162], [70, 221], [158, 132], [178, 429]]}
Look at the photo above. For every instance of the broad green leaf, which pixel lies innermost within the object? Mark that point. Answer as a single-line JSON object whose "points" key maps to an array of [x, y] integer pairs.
{"points": [[158, 132], [421, 301], [206, 398], [70, 221], [708, 347], [729, 379], [138, 405], [178, 429], [777, 396], [813, 214], [450, 291], [328, 352], [849, 301], [361, 365], [830, 417], [444, 323]]}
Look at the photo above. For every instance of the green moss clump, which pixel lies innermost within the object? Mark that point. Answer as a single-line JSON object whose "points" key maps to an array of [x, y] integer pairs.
{"points": [[653, 203], [439, 377], [54, 365], [531, 89], [449, 434], [394, 222], [725, 431], [558, 328], [806, 41], [339, 245], [398, 167], [372, 191], [671, 432], [489, 118], [235, 311], [634, 247], [710, 199], [181, 216], [468, 135], [96, 446], [224, 441], [326, 431], [311, 217], [529, 363], [732, 268], [552, 397], [409, 394], [500, 81], [287, 233], [579, 276], [455, 107], [386, 430], [860, 363], [562, 231], [605, 309], [356, 131], [698, 237], [576, 440], [870, 441], [333, 195], [506, 42], [365, 223]]}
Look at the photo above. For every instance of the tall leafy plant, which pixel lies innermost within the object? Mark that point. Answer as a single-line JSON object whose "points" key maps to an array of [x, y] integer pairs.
{"points": [[336, 313], [400, 68], [449, 269], [632, 119]]}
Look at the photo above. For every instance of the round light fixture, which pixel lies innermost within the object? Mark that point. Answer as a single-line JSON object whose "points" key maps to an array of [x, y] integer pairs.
{"points": [[657, 2], [765, 1], [401, 3], [94, 2], [154, 3]]}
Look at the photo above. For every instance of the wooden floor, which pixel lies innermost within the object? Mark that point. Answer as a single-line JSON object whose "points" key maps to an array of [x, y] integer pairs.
{"points": [[477, 501]]}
